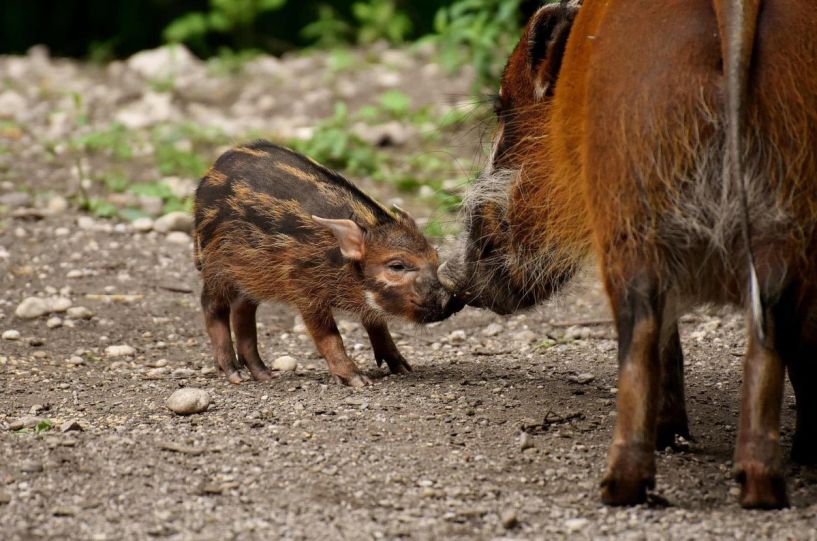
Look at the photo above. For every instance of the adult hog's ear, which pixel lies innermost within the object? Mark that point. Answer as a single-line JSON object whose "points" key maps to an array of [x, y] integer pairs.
{"points": [[403, 216], [547, 33], [349, 235]]}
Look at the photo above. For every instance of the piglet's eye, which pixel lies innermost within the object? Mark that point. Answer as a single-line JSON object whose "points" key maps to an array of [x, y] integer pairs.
{"points": [[397, 266]]}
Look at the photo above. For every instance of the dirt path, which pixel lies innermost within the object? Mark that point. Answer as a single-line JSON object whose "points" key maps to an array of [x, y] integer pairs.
{"points": [[437, 454]]}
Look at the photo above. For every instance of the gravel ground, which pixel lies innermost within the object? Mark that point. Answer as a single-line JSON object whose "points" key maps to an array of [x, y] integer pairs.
{"points": [[500, 432]]}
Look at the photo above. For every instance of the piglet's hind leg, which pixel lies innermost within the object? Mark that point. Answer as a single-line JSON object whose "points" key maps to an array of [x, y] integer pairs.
{"points": [[246, 338], [217, 322]]}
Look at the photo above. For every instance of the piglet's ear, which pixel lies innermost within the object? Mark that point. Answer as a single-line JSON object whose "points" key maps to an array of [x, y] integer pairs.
{"points": [[349, 235]]}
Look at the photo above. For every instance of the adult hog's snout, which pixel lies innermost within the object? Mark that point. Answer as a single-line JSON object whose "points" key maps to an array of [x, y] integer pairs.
{"points": [[435, 302]]}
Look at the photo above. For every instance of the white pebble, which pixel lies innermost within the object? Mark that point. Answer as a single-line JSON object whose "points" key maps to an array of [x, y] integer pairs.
{"points": [[76, 360], [31, 307], [187, 401], [119, 351], [11, 334], [79, 312], [575, 524], [492, 330], [53, 322], [457, 337], [178, 237], [174, 221], [142, 225], [285, 363]]}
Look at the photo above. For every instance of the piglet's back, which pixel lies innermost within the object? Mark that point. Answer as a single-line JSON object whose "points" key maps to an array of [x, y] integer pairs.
{"points": [[254, 227]]}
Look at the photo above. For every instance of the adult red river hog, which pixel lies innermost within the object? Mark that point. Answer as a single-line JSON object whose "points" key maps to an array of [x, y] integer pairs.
{"points": [[673, 142]]}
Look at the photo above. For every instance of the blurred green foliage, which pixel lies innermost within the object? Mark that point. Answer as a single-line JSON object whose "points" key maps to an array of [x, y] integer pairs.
{"points": [[479, 32]]}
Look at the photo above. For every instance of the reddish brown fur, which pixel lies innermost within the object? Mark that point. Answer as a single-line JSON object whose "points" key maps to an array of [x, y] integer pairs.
{"points": [[624, 163]]}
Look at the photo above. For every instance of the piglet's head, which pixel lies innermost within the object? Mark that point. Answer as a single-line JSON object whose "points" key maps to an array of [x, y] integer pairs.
{"points": [[399, 268]]}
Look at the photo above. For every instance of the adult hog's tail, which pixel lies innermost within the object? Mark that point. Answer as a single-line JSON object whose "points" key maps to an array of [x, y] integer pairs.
{"points": [[737, 23]]}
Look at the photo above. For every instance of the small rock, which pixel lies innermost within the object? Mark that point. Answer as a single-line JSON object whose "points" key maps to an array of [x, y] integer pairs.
{"points": [[174, 221], [142, 225], [211, 489], [79, 312], [163, 63], [157, 373], [58, 304], [31, 308], [35, 342], [584, 378], [492, 330], [71, 425], [53, 322], [76, 360], [509, 519], [63, 511], [525, 337], [457, 337], [178, 237], [119, 351], [31, 466], [11, 334], [73, 274], [188, 401], [5, 498], [525, 441], [285, 363], [576, 524], [57, 204], [15, 200], [86, 223], [578, 333], [183, 373], [29, 421]]}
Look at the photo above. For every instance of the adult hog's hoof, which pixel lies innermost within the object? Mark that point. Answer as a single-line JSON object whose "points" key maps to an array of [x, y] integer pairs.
{"points": [[355, 380], [262, 375], [619, 491], [399, 365], [630, 473], [761, 488], [234, 377]]}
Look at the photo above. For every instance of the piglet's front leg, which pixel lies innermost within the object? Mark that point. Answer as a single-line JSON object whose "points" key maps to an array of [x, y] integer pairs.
{"points": [[385, 349], [324, 331]]}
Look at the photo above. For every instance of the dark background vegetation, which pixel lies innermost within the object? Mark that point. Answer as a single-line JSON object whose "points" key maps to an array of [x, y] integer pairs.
{"points": [[106, 29]]}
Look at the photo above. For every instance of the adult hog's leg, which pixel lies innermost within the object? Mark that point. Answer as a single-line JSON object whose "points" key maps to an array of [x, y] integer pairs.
{"points": [[757, 455], [324, 331], [217, 321], [638, 307], [246, 338], [384, 348], [672, 414]]}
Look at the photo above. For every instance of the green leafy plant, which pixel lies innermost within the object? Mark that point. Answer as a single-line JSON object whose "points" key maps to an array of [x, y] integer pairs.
{"points": [[380, 19], [329, 30], [479, 32], [115, 140], [234, 17]]}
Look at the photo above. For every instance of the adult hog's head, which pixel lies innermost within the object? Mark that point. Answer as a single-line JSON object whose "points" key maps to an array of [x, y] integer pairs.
{"points": [[398, 267], [497, 268]]}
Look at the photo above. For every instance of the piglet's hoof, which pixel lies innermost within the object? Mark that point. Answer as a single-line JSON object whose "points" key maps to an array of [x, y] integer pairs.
{"points": [[398, 365], [355, 380], [261, 375], [234, 377], [761, 488], [618, 491]]}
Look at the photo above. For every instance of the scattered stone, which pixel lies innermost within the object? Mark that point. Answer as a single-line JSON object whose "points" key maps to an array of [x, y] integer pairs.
{"points": [[188, 401], [28, 421], [15, 200], [211, 489], [76, 360], [71, 425], [183, 373], [142, 225], [582, 378], [156, 373], [119, 351], [163, 63], [11, 334], [179, 448], [31, 466], [578, 333], [63, 511], [58, 304], [576, 524], [492, 330], [525, 337], [5, 497], [53, 322], [79, 312], [86, 223], [31, 308], [509, 519], [174, 221], [525, 441], [178, 237], [285, 363], [34, 341], [73, 274], [457, 337], [57, 204]]}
